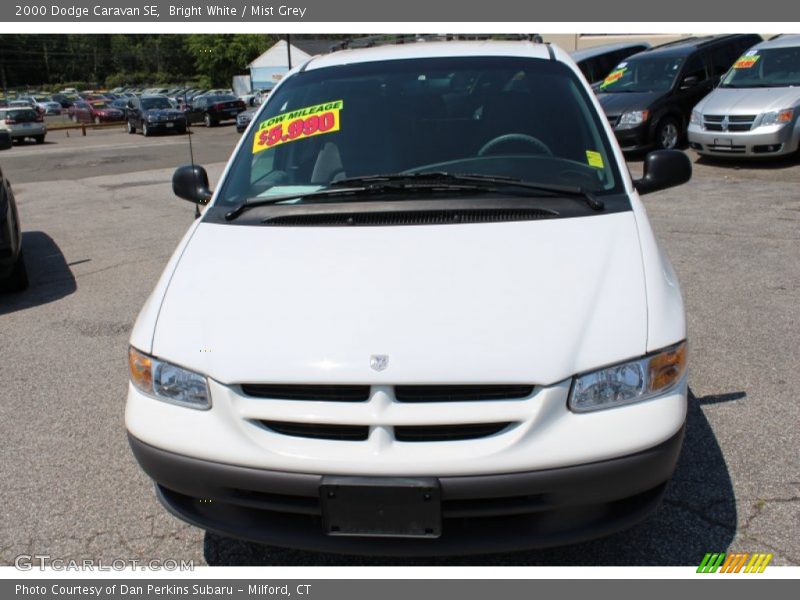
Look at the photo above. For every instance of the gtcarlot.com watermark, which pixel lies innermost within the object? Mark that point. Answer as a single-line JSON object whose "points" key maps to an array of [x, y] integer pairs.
{"points": [[29, 562]]}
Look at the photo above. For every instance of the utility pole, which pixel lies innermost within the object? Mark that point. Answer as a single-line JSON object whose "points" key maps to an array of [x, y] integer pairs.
{"points": [[46, 61], [289, 49]]}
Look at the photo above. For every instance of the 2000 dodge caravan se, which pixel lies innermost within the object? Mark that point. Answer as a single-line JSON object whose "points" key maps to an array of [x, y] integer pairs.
{"points": [[423, 312]]}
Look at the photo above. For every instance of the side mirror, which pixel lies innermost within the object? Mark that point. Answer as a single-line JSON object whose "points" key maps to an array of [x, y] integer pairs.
{"points": [[190, 182], [5, 140], [689, 82], [664, 169]]}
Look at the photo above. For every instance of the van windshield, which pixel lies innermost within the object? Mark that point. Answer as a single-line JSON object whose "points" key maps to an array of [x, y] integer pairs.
{"points": [[645, 74], [155, 103], [529, 119], [771, 67]]}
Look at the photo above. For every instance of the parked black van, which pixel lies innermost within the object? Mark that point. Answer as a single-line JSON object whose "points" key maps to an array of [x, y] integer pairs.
{"points": [[648, 97]]}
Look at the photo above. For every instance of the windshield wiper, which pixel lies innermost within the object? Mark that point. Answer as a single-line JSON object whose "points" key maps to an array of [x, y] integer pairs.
{"points": [[353, 190], [491, 182], [431, 181]]}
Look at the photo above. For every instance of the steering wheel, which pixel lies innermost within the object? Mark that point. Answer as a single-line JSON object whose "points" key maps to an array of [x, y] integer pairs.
{"points": [[515, 137]]}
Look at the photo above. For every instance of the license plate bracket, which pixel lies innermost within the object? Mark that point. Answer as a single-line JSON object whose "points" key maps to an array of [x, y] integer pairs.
{"points": [[381, 507]]}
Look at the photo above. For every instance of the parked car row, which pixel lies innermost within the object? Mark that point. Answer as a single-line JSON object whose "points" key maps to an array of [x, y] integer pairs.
{"points": [[730, 95]]}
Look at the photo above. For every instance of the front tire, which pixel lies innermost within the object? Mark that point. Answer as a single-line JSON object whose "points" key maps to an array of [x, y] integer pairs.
{"points": [[209, 121], [18, 281], [131, 128], [39, 139], [146, 130], [668, 133]]}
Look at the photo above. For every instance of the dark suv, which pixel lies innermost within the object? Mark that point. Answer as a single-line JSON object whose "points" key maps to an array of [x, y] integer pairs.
{"points": [[648, 97], [154, 113]]}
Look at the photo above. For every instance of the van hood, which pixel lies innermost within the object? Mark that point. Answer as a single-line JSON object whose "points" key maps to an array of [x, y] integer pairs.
{"points": [[752, 101], [614, 104], [524, 302]]}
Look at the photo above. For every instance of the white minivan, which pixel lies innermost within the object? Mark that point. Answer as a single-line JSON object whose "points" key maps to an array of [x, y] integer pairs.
{"points": [[423, 312]]}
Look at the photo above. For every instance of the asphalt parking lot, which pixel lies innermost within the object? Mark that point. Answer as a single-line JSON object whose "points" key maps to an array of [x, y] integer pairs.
{"points": [[100, 223]]}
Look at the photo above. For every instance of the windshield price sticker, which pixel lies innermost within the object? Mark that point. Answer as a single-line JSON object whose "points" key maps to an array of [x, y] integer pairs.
{"points": [[746, 62], [595, 159], [297, 125], [614, 76]]}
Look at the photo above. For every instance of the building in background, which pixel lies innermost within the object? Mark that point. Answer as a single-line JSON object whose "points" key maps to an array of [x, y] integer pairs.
{"points": [[579, 41], [269, 68]]}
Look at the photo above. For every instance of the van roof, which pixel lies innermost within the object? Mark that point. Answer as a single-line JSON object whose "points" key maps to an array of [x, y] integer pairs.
{"points": [[685, 46], [433, 50], [781, 41]]}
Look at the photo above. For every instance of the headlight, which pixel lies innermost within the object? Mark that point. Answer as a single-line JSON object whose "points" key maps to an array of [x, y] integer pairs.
{"points": [[168, 382], [777, 117], [697, 118], [632, 119], [629, 382]]}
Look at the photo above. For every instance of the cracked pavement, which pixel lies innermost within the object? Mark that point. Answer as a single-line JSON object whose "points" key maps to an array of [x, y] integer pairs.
{"points": [[98, 232]]}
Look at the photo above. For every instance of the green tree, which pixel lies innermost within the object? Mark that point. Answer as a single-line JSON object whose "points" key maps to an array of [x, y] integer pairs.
{"points": [[221, 56]]}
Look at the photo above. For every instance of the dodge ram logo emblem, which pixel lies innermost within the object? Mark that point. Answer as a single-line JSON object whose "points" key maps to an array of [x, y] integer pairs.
{"points": [[725, 122], [379, 362]]}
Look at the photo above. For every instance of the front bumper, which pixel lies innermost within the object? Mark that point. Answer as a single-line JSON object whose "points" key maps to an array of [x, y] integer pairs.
{"points": [[177, 125], [761, 142], [480, 514], [634, 139], [542, 433]]}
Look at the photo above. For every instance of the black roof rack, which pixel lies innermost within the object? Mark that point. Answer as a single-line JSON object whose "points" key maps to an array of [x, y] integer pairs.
{"points": [[410, 38]]}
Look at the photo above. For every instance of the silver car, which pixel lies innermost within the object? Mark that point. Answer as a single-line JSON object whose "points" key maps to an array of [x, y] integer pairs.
{"points": [[754, 111]]}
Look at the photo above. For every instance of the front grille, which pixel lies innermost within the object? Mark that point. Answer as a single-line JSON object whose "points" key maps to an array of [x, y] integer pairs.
{"points": [[447, 433], [332, 393], [340, 427], [460, 393], [403, 433], [410, 217], [731, 149], [350, 433], [734, 123]]}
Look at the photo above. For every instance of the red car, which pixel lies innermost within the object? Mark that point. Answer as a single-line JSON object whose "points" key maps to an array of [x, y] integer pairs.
{"points": [[96, 111]]}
